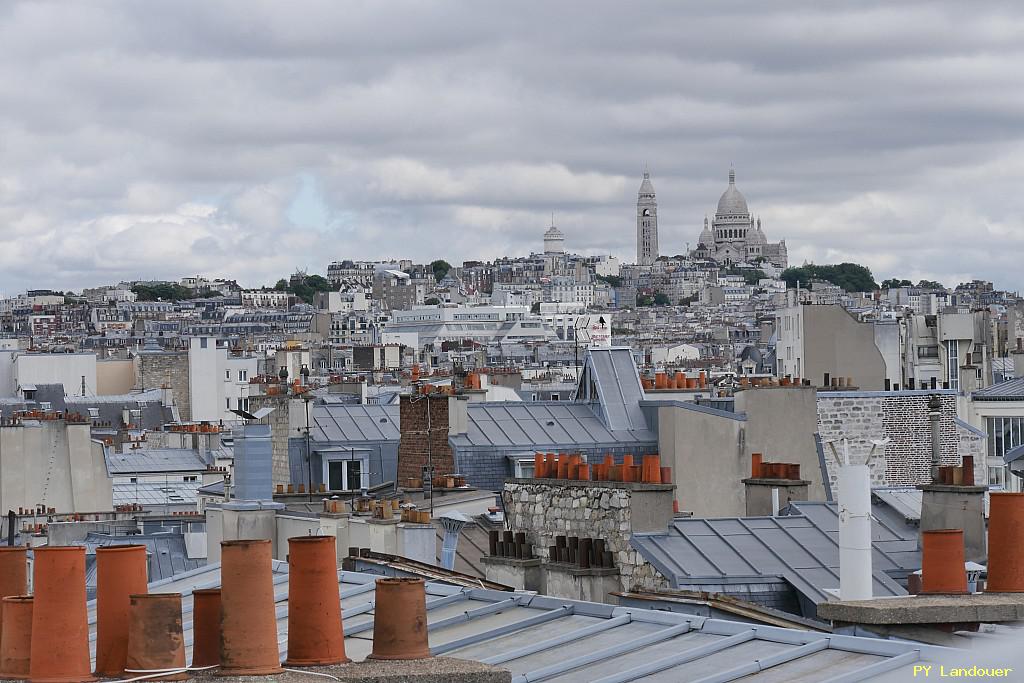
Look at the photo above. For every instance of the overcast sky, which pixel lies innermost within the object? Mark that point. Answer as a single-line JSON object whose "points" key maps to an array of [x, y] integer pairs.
{"points": [[245, 139]]}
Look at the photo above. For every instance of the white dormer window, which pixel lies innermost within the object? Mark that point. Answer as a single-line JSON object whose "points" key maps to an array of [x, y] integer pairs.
{"points": [[45, 405]]}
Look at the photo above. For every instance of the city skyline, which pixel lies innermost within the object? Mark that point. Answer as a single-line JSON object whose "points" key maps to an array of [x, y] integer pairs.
{"points": [[157, 142]]}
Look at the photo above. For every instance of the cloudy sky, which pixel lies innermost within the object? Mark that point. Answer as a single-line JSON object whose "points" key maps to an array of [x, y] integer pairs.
{"points": [[245, 139]]}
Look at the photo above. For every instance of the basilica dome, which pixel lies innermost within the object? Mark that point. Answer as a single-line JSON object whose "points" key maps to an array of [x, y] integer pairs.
{"points": [[732, 202]]}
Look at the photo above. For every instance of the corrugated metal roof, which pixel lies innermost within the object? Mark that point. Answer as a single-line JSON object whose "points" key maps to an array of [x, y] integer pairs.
{"points": [[544, 638], [354, 423], [803, 549], [154, 461], [541, 424], [1011, 390]]}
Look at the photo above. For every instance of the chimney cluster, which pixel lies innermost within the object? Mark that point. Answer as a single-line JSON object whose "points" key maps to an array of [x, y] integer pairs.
{"points": [[585, 553], [45, 637], [957, 475], [509, 544], [942, 559], [679, 380], [570, 466]]}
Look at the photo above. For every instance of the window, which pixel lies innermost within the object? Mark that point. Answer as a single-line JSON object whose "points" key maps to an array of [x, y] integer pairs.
{"points": [[190, 477], [997, 476], [524, 468], [953, 363], [45, 405], [927, 351], [344, 475], [227, 403], [242, 375], [227, 375], [94, 412]]}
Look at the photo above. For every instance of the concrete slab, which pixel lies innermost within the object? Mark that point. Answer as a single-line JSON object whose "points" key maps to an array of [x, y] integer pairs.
{"points": [[433, 670], [987, 608]]}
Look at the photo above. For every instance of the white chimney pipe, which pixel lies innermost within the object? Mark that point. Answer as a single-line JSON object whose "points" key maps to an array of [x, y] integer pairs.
{"points": [[854, 533], [775, 501]]}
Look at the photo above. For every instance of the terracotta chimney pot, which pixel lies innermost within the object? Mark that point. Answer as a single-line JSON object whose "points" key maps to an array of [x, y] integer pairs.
{"points": [[60, 623], [400, 620], [16, 639], [1005, 541], [315, 636], [248, 620], [121, 571], [206, 627], [942, 561], [155, 639]]}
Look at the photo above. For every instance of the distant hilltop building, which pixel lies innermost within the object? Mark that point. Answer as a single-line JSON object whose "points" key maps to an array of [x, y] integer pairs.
{"points": [[735, 237], [646, 223]]}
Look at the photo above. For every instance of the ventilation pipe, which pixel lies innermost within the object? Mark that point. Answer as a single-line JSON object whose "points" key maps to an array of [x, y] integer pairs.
{"points": [[452, 523], [934, 415], [854, 530]]}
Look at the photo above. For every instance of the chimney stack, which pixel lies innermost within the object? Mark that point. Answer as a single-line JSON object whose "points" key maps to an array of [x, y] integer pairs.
{"points": [[315, 636], [206, 627], [942, 561], [248, 618], [1006, 539], [400, 620], [60, 623], [155, 639], [16, 640], [121, 571]]}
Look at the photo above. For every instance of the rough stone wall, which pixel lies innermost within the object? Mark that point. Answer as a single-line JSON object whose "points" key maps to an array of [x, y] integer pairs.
{"points": [[412, 448], [170, 368], [279, 434], [899, 416], [544, 510]]}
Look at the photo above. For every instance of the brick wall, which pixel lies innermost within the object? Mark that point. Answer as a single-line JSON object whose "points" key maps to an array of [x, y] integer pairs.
{"points": [[155, 369], [412, 447], [902, 417]]}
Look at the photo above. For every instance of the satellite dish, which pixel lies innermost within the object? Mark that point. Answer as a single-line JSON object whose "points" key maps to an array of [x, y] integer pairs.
{"points": [[258, 415]]}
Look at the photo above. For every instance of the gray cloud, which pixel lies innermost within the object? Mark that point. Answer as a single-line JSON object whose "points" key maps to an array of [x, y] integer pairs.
{"points": [[165, 139]]}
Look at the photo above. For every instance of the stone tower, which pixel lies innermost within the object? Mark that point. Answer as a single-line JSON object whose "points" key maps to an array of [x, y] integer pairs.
{"points": [[646, 223]]}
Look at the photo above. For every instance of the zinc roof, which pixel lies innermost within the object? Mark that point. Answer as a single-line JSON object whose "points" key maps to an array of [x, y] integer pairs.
{"points": [[540, 638], [349, 423]]}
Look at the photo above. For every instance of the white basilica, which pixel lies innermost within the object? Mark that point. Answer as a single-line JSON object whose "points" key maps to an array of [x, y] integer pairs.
{"points": [[735, 237]]}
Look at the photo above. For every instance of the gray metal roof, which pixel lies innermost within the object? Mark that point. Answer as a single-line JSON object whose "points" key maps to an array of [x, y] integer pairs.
{"points": [[1011, 390], [165, 551], [354, 423], [1014, 454], [904, 501], [151, 493], [618, 387], [803, 549], [154, 461], [542, 424], [540, 638]]}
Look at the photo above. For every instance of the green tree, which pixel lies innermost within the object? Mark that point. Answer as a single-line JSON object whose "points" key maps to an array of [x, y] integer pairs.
{"points": [[613, 280], [164, 291], [535, 307], [896, 283], [432, 301], [661, 299], [852, 277], [644, 300], [281, 285], [930, 284], [440, 268], [750, 275]]}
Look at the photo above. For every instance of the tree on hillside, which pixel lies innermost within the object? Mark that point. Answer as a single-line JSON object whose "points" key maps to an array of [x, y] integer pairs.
{"points": [[896, 283], [852, 277], [440, 268]]}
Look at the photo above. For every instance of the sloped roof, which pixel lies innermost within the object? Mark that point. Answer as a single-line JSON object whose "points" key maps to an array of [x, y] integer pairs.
{"points": [[541, 424], [1011, 390], [165, 552], [354, 423], [803, 549], [541, 638], [154, 461], [610, 379]]}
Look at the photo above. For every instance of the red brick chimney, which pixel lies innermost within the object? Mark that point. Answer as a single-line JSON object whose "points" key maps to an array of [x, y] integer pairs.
{"points": [[413, 445]]}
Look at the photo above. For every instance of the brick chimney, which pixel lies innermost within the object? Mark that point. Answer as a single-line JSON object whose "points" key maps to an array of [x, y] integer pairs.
{"points": [[416, 441]]}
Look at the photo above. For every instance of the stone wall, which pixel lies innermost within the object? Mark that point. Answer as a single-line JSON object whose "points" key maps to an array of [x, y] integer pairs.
{"points": [[413, 446], [280, 432], [901, 416], [609, 510], [170, 368]]}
